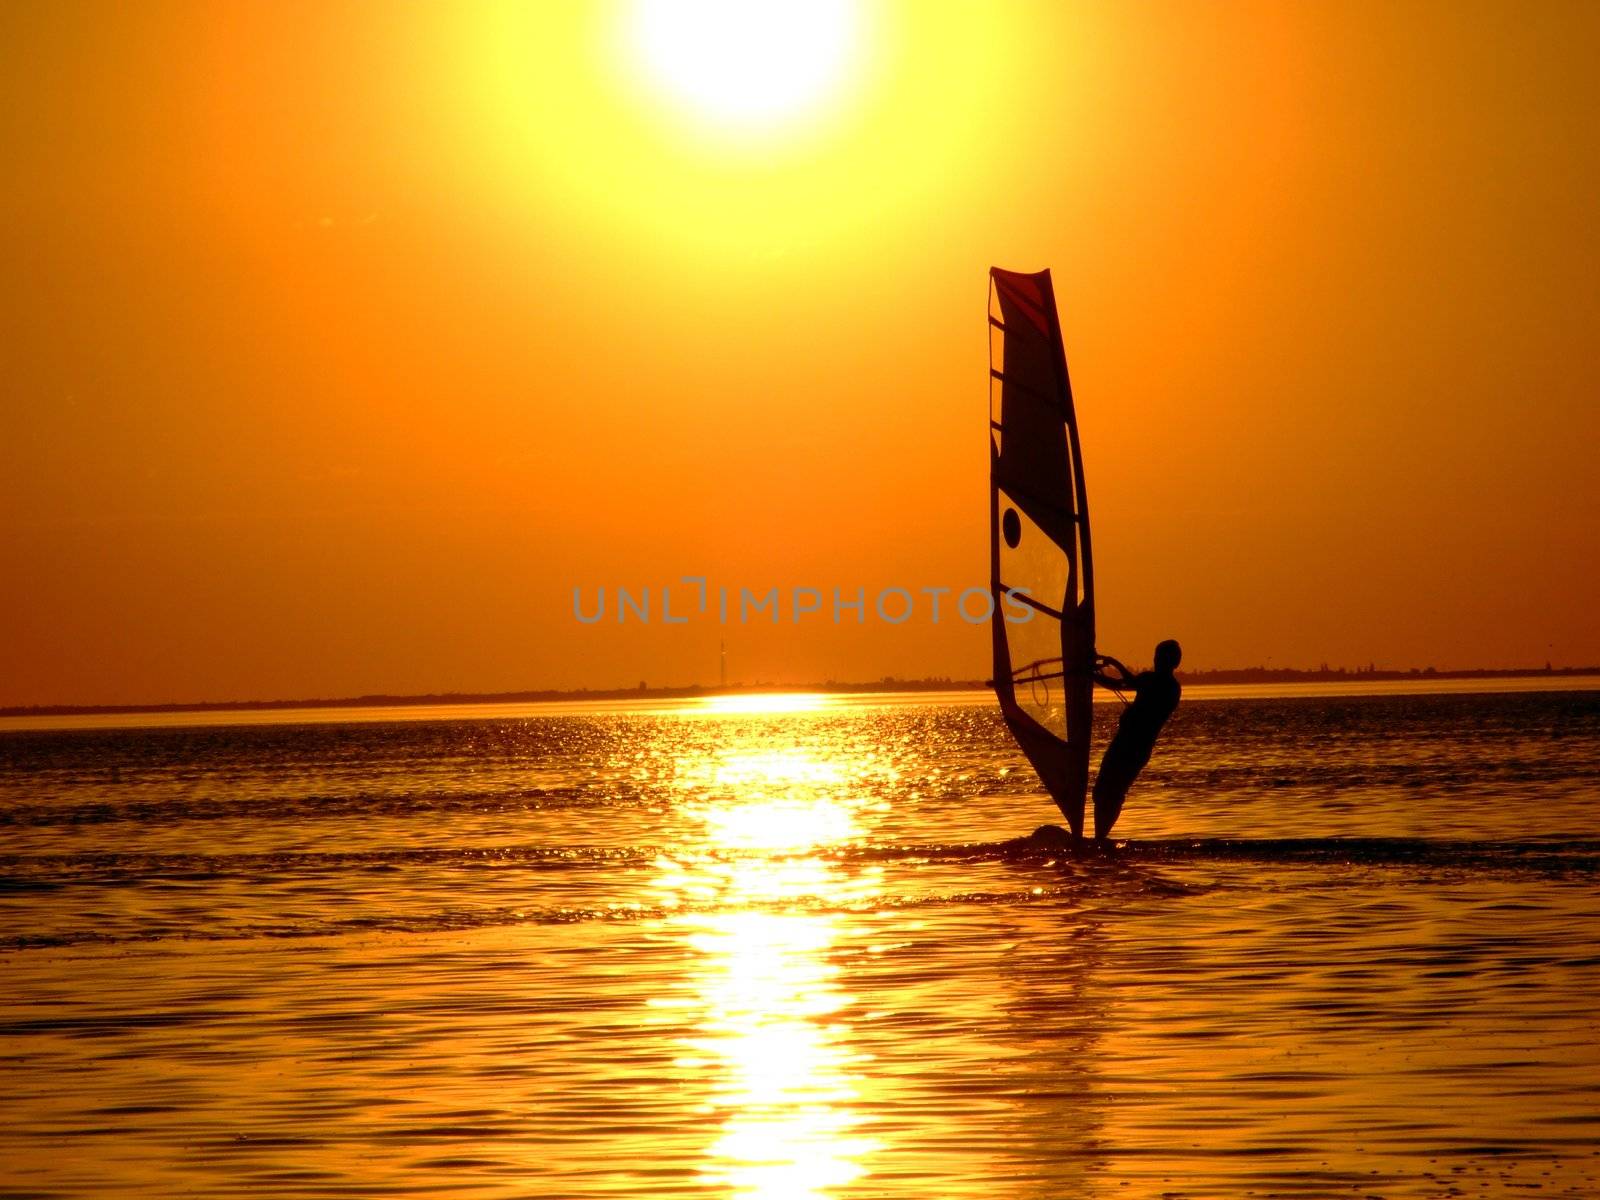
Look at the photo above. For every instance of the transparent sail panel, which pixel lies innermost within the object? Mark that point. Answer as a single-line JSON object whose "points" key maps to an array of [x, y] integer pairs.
{"points": [[1029, 558], [1031, 564], [1036, 675]]}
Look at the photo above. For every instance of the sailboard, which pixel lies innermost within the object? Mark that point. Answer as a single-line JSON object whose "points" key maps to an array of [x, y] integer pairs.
{"points": [[1041, 572]]}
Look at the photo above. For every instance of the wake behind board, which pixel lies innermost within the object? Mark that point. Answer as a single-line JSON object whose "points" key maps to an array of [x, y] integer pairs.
{"points": [[1118, 870], [1052, 835], [1056, 840]]}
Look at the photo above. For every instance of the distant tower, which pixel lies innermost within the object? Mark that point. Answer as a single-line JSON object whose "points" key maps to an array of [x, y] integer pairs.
{"points": [[724, 656]]}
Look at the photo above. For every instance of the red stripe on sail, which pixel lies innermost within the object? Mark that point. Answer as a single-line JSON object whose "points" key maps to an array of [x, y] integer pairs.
{"points": [[1025, 292]]}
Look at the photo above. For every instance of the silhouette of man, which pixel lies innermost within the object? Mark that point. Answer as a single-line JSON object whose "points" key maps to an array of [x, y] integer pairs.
{"points": [[1155, 696]]}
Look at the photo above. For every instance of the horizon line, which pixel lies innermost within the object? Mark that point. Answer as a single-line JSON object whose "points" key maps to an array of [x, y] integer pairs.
{"points": [[887, 683]]}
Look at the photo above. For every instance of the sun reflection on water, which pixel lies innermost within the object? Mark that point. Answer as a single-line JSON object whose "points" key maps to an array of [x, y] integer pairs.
{"points": [[784, 1085], [755, 797], [765, 921], [765, 702]]}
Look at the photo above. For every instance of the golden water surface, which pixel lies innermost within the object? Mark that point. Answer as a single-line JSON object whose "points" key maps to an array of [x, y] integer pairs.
{"points": [[745, 953]]}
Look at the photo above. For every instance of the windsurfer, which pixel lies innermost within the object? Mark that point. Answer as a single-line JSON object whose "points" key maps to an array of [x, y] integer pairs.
{"points": [[1155, 696]]}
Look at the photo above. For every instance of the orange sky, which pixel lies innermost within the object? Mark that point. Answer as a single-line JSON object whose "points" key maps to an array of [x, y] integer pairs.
{"points": [[340, 342]]}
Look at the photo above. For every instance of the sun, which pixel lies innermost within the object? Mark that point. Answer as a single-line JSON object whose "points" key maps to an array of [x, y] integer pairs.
{"points": [[746, 64]]}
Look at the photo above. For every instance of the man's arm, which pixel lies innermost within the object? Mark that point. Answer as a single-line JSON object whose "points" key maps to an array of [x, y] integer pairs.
{"points": [[1103, 664]]}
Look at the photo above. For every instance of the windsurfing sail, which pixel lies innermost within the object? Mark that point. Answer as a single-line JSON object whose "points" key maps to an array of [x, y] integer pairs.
{"points": [[1040, 570]]}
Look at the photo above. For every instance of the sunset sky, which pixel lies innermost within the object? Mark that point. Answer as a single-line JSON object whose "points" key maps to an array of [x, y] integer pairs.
{"points": [[341, 342]]}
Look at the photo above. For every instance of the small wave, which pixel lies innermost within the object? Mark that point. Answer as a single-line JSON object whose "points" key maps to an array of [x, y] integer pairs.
{"points": [[28, 871], [284, 809], [1530, 857], [1518, 857], [1087, 876], [148, 866], [463, 920]]}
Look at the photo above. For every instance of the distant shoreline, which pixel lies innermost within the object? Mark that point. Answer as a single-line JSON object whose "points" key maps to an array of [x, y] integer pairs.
{"points": [[1244, 675]]}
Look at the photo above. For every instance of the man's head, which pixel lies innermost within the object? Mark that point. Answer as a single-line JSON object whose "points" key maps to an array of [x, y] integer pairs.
{"points": [[1168, 655]]}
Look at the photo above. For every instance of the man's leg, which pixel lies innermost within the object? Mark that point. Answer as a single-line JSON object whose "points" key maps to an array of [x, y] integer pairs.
{"points": [[1117, 773]]}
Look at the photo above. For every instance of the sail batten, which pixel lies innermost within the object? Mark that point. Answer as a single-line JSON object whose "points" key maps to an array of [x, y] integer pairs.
{"points": [[1038, 397], [1023, 597], [1039, 540]]}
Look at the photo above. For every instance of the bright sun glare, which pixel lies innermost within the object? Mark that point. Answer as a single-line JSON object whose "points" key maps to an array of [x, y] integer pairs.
{"points": [[746, 63]]}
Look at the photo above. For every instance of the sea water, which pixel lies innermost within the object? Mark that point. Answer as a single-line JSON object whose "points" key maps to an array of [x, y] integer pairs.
{"points": [[786, 948]]}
